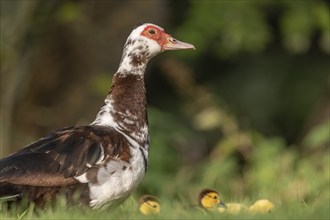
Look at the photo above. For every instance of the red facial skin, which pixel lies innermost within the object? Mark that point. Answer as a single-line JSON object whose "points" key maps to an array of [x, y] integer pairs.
{"points": [[156, 34]]}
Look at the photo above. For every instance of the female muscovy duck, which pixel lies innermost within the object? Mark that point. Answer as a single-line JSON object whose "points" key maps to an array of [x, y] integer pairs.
{"points": [[105, 160]]}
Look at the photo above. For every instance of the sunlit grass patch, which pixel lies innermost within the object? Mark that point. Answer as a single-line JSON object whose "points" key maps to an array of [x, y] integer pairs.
{"points": [[170, 209]]}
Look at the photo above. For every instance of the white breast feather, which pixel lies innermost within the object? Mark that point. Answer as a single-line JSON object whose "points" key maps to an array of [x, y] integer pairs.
{"points": [[114, 186]]}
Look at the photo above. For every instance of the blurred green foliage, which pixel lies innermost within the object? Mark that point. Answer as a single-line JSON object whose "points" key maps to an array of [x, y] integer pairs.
{"points": [[246, 26], [231, 26]]}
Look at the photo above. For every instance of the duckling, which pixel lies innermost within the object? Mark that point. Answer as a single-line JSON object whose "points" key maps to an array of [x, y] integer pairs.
{"points": [[209, 199], [149, 205], [233, 208], [261, 206]]}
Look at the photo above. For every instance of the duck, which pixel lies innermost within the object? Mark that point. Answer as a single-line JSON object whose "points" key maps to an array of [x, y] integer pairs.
{"points": [[261, 206], [149, 205], [209, 199], [105, 160]]}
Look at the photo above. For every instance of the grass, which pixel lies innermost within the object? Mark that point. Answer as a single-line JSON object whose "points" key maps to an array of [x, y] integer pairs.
{"points": [[295, 179], [170, 209]]}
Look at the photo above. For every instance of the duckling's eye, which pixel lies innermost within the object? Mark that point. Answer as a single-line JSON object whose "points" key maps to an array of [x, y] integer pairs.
{"points": [[152, 31], [215, 197], [154, 206]]}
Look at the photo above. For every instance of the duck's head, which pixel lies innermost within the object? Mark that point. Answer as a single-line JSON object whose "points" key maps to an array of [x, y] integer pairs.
{"points": [[210, 199], [148, 40], [149, 205], [144, 42]]}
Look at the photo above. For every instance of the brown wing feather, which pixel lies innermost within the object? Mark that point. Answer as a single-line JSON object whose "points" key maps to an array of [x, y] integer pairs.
{"points": [[62, 155]]}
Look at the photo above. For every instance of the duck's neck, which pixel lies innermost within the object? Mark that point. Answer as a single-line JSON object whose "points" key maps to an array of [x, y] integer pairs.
{"points": [[125, 107], [135, 57]]}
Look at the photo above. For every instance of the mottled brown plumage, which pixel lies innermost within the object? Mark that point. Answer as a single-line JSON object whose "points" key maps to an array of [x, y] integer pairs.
{"points": [[62, 155]]}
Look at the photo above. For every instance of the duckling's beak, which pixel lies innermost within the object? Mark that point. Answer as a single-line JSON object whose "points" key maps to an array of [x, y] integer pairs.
{"points": [[222, 205]]}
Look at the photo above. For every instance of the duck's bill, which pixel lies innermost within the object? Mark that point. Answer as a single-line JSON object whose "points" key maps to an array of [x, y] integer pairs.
{"points": [[173, 44]]}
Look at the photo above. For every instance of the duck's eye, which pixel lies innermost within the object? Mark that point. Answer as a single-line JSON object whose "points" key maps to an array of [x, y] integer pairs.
{"points": [[215, 197], [152, 31], [154, 206]]}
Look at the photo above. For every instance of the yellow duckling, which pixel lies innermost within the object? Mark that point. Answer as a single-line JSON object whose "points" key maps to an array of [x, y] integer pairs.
{"points": [[233, 208], [261, 206], [149, 205], [210, 199]]}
